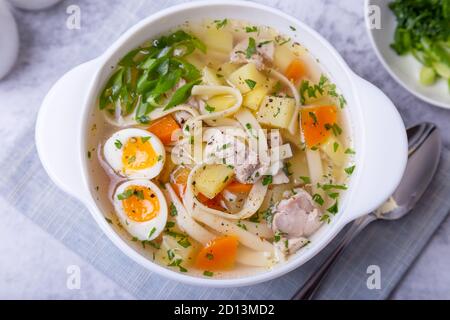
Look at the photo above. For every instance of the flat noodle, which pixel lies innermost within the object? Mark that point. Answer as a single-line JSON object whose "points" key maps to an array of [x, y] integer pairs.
{"points": [[255, 258], [210, 91], [312, 157], [228, 227], [185, 221], [200, 234], [251, 205]]}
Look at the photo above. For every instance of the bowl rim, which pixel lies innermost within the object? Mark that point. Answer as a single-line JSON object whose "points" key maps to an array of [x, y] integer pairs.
{"points": [[246, 280], [387, 67]]}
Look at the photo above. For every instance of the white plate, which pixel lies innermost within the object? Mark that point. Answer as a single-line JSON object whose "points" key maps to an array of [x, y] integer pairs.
{"points": [[404, 69]]}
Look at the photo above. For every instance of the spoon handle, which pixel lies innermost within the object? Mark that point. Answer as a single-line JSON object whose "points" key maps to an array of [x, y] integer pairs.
{"points": [[307, 291]]}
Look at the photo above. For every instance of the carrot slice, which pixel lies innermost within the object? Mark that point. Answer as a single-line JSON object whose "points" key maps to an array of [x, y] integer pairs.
{"points": [[295, 70], [213, 203], [219, 254], [237, 187], [317, 123], [163, 128]]}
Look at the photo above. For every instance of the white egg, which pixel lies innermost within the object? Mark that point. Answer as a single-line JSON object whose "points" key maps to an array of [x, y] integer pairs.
{"points": [[141, 208], [135, 153]]}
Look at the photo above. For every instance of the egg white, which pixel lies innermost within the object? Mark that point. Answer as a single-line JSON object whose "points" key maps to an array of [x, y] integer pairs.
{"points": [[142, 230], [113, 154]]}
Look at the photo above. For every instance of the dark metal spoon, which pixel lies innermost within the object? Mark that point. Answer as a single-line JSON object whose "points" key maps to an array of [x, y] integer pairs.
{"points": [[424, 141]]}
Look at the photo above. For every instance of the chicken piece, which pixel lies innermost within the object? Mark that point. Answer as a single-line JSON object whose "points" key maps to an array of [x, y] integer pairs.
{"points": [[296, 219], [251, 170], [264, 53], [181, 117]]}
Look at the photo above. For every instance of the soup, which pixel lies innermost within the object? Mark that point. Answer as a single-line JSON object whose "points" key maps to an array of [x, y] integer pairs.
{"points": [[219, 148]]}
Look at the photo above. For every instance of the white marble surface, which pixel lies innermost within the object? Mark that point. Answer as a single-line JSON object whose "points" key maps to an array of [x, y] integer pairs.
{"points": [[33, 264]]}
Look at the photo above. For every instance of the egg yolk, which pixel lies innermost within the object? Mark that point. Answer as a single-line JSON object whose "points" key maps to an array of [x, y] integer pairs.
{"points": [[138, 154], [142, 205], [219, 254]]}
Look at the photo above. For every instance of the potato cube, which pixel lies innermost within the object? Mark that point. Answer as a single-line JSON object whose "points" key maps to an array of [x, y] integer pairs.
{"points": [[254, 98], [212, 179], [276, 112], [247, 77], [209, 77], [283, 57], [218, 40], [227, 68]]}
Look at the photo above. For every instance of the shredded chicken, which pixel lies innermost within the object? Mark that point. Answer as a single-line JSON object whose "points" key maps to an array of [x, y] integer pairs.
{"points": [[265, 51], [295, 219]]}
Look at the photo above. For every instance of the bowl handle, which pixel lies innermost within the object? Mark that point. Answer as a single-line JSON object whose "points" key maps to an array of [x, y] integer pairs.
{"points": [[58, 129], [385, 151]]}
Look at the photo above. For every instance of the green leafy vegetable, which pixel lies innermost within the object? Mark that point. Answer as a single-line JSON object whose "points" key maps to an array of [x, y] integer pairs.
{"points": [[181, 95], [423, 29]]}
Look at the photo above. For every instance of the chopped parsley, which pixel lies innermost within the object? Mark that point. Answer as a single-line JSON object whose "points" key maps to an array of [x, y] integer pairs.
{"points": [[118, 144], [251, 49], [318, 199], [349, 151], [334, 208], [209, 256], [221, 23], [335, 146], [314, 117], [177, 263], [251, 83], [173, 210], [209, 108], [350, 170], [267, 180], [184, 243], [208, 273], [125, 195], [306, 180], [251, 29], [241, 225], [145, 139], [337, 131], [151, 232]]}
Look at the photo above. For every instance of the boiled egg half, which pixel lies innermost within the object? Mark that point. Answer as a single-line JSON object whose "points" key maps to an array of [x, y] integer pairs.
{"points": [[135, 153], [141, 208]]}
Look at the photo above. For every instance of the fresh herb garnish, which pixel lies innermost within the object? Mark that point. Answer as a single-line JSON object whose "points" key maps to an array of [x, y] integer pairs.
{"points": [[251, 49], [251, 83], [318, 199], [306, 180], [209, 108], [350, 170], [185, 243], [173, 210], [267, 180], [220, 23], [125, 195], [118, 144], [334, 208], [151, 232], [208, 273]]}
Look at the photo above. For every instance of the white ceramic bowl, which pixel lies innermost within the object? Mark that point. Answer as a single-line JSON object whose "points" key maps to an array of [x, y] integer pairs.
{"points": [[378, 131], [9, 39], [404, 69]]}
